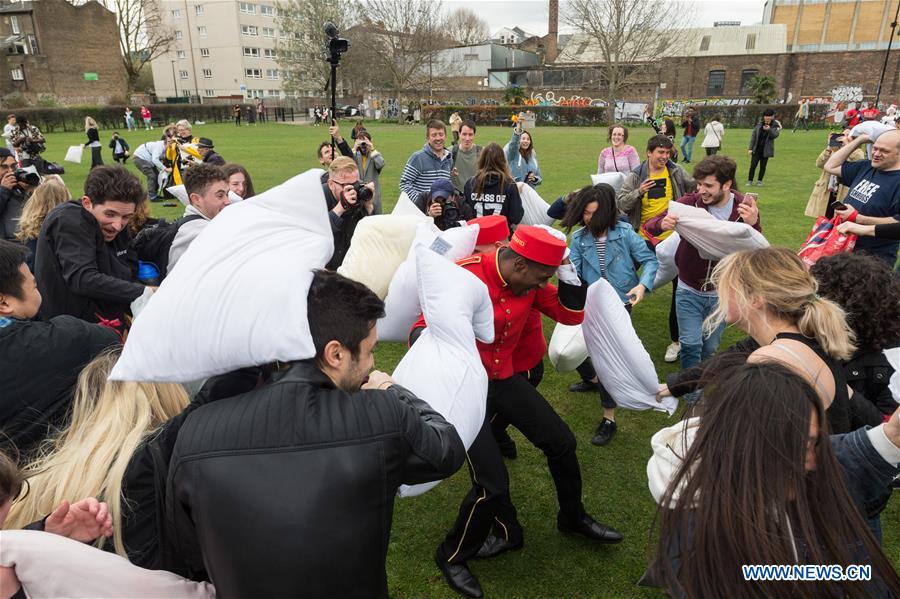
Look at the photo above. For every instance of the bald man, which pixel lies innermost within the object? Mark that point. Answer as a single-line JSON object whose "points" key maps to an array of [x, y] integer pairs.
{"points": [[874, 184]]}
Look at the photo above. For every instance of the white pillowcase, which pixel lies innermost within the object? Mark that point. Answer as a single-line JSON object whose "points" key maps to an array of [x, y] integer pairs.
{"points": [[380, 244], [401, 306], [535, 207], [893, 356], [615, 180], [665, 255], [622, 364], [405, 207], [238, 296], [443, 367], [567, 349], [714, 238]]}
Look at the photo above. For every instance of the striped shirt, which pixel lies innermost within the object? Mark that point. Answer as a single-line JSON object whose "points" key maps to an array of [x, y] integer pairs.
{"points": [[422, 169], [601, 254]]}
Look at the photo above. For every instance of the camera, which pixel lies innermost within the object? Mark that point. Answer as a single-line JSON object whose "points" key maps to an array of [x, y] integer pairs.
{"points": [[450, 213], [27, 177], [336, 45], [363, 194]]}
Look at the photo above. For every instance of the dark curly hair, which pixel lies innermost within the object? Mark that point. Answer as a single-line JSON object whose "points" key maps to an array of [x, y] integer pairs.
{"points": [[865, 287]]}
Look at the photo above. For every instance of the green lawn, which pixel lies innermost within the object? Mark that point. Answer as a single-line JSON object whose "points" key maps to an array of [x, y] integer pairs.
{"points": [[615, 487]]}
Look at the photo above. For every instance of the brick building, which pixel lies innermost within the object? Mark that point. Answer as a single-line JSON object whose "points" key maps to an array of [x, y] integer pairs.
{"points": [[53, 48]]}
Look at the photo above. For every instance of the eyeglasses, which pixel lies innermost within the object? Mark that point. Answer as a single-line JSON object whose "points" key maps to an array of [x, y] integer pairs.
{"points": [[351, 183]]}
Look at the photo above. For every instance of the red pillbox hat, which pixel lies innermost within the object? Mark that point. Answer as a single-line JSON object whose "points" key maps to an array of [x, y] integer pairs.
{"points": [[492, 228], [538, 244]]}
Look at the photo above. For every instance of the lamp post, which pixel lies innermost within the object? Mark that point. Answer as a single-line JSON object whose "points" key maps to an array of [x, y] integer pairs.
{"points": [[174, 80]]}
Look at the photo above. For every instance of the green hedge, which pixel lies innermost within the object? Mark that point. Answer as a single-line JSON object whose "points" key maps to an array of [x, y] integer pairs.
{"points": [[545, 115], [113, 117], [748, 115]]}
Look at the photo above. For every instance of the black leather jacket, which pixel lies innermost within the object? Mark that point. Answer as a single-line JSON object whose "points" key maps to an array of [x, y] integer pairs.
{"points": [[288, 490]]}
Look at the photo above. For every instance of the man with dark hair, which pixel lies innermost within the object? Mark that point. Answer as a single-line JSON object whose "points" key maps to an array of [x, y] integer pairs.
{"points": [[427, 165], [690, 122], [696, 297], [762, 145], [13, 195], [83, 264], [645, 194], [518, 280], [41, 360], [316, 455], [465, 156], [207, 189]]}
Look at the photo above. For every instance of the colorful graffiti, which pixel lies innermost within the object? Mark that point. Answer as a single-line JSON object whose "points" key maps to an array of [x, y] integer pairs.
{"points": [[677, 107], [550, 99]]}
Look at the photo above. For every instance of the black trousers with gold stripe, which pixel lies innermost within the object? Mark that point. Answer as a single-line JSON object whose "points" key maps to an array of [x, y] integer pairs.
{"points": [[488, 503]]}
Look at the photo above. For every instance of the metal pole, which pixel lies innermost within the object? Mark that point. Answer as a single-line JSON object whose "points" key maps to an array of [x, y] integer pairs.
{"points": [[174, 80], [887, 54]]}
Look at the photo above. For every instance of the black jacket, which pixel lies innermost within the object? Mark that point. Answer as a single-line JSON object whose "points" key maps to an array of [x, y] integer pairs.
{"points": [[694, 123], [41, 362], [11, 203], [869, 373], [495, 199], [122, 142], [288, 491], [92, 135], [214, 158], [342, 227], [78, 272]]}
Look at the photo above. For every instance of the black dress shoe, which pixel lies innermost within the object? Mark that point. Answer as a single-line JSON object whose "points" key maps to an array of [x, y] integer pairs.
{"points": [[588, 528], [494, 546], [583, 386], [604, 433], [460, 578]]}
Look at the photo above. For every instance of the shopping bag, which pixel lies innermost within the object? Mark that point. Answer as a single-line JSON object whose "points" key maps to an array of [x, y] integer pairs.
{"points": [[825, 240], [74, 154]]}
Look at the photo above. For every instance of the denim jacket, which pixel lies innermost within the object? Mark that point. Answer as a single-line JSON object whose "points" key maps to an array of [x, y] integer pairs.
{"points": [[518, 166], [624, 249]]}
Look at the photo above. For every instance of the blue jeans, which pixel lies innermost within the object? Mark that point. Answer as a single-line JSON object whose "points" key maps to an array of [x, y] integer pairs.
{"points": [[687, 147], [692, 310]]}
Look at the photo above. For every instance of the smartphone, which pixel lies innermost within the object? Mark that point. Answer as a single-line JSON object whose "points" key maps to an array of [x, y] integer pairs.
{"points": [[834, 140], [750, 196], [838, 205], [658, 190]]}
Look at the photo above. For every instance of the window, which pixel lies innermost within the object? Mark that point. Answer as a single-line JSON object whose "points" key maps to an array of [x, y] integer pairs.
{"points": [[253, 73], [254, 93], [32, 41], [704, 43], [751, 42], [181, 54], [270, 53], [249, 30], [178, 35], [14, 23], [182, 74], [17, 74], [201, 30], [176, 14], [209, 93], [271, 73], [746, 76], [716, 85], [204, 52], [186, 93], [207, 73], [198, 10], [274, 93], [267, 11], [268, 32], [251, 52], [247, 8]]}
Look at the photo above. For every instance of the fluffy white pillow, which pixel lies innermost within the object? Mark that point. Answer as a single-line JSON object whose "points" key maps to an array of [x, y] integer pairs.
{"points": [[238, 296], [401, 306], [380, 244], [443, 366], [621, 362], [893, 356], [714, 238], [613, 179], [405, 207], [535, 207], [567, 348], [665, 255]]}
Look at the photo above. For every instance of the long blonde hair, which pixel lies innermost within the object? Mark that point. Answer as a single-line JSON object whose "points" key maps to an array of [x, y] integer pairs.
{"points": [[49, 194], [90, 123], [776, 276], [110, 420]]}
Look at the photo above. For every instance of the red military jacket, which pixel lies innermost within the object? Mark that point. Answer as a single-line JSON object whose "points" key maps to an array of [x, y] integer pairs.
{"points": [[511, 314], [532, 345]]}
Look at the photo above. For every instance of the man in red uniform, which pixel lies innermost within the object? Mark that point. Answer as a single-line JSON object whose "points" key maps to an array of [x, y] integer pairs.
{"points": [[517, 278]]}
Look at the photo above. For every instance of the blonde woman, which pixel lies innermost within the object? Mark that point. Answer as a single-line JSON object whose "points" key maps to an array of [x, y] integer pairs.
{"points": [[93, 141], [48, 195], [105, 452], [769, 294]]}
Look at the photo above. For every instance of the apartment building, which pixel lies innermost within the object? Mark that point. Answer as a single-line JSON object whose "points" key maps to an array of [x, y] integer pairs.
{"points": [[222, 49], [833, 25]]}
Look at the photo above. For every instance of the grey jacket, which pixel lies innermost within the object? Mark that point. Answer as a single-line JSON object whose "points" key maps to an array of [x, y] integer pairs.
{"points": [[769, 147], [372, 173], [629, 197]]}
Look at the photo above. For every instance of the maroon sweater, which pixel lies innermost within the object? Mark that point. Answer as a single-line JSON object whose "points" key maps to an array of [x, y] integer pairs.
{"points": [[692, 269]]}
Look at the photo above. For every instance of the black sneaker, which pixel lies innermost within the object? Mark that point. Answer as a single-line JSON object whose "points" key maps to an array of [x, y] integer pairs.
{"points": [[583, 387], [604, 433]]}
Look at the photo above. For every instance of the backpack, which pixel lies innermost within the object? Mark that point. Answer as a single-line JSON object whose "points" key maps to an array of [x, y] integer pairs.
{"points": [[153, 243]]}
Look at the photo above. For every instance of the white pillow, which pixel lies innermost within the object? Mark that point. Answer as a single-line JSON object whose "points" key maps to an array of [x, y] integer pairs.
{"points": [[714, 238], [443, 367], [405, 207], [873, 129], [567, 348], [180, 194], [238, 296], [535, 207], [621, 362], [665, 255], [613, 179], [380, 244], [893, 356], [401, 306]]}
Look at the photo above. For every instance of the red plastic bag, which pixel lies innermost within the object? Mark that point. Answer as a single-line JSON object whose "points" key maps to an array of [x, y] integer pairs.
{"points": [[825, 240]]}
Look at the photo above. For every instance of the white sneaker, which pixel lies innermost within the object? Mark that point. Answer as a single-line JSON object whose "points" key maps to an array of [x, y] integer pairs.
{"points": [[672, 351]]}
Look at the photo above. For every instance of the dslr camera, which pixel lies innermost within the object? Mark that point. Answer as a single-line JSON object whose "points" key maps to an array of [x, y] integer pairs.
{"points": [[363, 194], [27, 177]]}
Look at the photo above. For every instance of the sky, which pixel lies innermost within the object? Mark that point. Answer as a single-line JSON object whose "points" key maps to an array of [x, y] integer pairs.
{"points": [[531, 15]]}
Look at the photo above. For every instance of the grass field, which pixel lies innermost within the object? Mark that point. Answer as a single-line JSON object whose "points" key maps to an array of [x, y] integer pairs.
{"points": [[615, 481]]}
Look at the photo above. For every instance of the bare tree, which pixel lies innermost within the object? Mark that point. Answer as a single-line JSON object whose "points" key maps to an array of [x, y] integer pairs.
{"points": [[142, 34], [466, 27], [628, 38]]}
